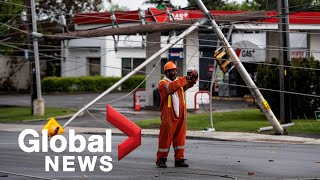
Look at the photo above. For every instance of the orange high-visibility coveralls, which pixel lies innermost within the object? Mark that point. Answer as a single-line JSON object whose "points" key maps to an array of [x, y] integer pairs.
{"points": [[172, 128]]}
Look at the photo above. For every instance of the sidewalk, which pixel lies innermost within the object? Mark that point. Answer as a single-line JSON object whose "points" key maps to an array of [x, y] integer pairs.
{"points": [[221, 136]]}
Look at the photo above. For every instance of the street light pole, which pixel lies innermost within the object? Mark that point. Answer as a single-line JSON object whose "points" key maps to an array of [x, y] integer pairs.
{"points": [[38, 104]]}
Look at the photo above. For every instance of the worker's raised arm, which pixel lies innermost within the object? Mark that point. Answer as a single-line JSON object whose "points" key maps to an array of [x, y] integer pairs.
{"points": [[173, 86]]}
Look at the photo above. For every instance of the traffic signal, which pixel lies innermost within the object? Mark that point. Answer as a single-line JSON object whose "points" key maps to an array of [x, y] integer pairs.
{"points": [[221, 56], [53, 127]]}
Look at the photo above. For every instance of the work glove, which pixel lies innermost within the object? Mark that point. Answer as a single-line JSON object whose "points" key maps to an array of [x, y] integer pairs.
{"points": [[192, 76]]}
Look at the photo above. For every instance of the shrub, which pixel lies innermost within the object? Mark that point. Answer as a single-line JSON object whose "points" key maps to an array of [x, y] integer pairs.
{"points": [[304, 81], [88, 83]]}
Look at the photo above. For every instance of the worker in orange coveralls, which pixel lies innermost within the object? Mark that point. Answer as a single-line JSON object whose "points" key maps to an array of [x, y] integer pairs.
{"points": [[173, 114]]}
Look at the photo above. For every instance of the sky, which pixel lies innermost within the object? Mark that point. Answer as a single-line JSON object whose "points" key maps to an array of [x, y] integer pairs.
{"points": [[135, 4]]}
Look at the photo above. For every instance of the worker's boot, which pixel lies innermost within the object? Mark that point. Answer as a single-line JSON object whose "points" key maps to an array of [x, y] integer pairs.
{"points": [[180, 163], [162, 163]]}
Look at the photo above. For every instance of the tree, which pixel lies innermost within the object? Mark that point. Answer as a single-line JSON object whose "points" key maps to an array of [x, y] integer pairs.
{"points": [[211, 5], [294, 5], [159, 3], [253, 5], [54, 9], [48, 13], [10, 10], [51, 13], [225, 5], [10, 15], [116, 7], [302, 81]]}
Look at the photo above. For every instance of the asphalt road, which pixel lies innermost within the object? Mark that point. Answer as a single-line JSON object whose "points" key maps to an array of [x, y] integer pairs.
{"points": [[207, 159]]}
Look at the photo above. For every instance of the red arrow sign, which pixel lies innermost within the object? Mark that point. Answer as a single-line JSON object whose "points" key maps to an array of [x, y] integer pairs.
{"points": [[129, 128]]}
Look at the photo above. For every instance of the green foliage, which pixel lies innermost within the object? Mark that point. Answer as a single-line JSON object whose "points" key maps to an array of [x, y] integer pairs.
{"points": [[211, 5], [10, 12], [253, 5], [268, 77], [231, 6], [117, 7], [304, 81], [159, 4], [10, 9], [87, 83], [234, 6], [294, 5], [307, 82]]}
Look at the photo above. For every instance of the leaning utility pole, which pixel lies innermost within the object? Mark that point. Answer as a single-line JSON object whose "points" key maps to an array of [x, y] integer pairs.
{"points": [[242, 71], [284, 61], [38, 104]]}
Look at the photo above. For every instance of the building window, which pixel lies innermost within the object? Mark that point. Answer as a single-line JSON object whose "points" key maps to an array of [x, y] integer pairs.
{"points": [[129, 64], [94, 67]]}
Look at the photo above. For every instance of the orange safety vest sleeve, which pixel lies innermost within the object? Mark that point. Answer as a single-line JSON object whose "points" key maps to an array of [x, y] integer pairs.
{"points": [[173, 85]]}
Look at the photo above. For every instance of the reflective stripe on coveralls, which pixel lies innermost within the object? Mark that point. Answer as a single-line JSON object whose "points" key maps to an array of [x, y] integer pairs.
{"points": [[169, 98], [163, 150], [178, 147]]}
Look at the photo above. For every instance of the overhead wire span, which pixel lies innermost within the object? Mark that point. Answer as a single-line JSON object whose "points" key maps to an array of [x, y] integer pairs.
{"points": [[236, 85], [259, 63], [273, 48], [23, 31]]}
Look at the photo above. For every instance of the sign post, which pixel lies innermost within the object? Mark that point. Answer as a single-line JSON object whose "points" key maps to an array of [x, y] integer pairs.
{"points": [[317, 114]]}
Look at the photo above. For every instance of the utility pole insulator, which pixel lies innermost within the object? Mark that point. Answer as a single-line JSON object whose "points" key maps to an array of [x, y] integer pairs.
{"points": [[37, 35]]}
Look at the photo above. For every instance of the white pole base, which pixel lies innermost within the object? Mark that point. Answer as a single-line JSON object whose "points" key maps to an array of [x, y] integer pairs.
{"points": [[209, 129], [271, 128]]}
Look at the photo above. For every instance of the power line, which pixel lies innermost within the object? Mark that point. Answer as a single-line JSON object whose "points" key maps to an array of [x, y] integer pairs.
{"points": [[265, 89], [261, 63]]}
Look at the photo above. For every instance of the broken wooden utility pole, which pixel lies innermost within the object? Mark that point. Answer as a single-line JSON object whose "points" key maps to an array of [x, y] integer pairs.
{"points": [[157, 27], [242, 71]]}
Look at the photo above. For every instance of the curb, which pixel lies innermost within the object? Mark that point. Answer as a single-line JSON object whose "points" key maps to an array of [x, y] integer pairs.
{"points": [[57, 118], [247, 99]]}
